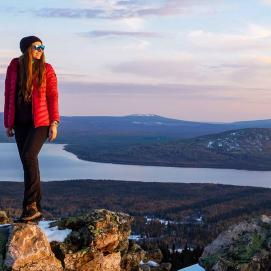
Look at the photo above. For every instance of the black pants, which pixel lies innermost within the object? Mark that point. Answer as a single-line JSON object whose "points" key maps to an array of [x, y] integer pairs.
{"points": [[29, 142]]}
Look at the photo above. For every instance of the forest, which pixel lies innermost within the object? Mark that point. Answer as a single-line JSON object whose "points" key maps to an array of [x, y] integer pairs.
{"points": [[169, 216]]}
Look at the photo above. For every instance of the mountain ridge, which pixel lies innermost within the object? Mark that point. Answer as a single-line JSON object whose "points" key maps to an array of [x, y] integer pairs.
{"points": [[149, 139]]}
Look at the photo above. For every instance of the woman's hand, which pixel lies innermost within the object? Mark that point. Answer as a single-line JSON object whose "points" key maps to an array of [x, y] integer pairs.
{"points": [[52, 132], [9, 132]]}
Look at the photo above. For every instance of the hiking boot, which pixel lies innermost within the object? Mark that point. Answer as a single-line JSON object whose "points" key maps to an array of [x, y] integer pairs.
{"points": [[39, 207], [23, 214], [31, 212]]}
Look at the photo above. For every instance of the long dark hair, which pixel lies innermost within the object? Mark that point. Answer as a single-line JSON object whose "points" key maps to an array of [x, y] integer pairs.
{"points": [[28, 73]]}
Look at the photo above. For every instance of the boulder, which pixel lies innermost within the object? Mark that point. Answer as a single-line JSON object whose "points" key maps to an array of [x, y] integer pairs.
{"points": [[29, 250], [155, 255], [98, 241], [4, 218], [132, 258], [243, 247]]}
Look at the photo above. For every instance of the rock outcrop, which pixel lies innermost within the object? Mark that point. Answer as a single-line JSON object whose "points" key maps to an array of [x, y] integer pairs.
{"points": [[29, 249], [96, 241], [243, 247], [4, 218]]}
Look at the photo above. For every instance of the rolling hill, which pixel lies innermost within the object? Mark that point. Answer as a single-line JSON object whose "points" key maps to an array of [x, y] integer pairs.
{"points": [[156, 140], [248, 148]]}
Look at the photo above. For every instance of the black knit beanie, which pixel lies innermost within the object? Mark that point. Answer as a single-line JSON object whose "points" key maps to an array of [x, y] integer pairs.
{"points": [[27, 41]]}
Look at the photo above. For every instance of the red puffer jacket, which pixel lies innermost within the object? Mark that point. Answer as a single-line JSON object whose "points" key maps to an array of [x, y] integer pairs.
{"points": [[44, 107]]}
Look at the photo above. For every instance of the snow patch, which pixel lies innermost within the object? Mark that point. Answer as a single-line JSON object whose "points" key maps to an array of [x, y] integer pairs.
{"points": [[4, 225], [150, 123], [210, 143], [143, 115], [53, 233], [152, 263], [195, 267], [134, 237]]}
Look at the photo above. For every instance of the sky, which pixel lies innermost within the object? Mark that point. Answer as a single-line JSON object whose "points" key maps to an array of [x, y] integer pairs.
{"points": [[197, 60]]}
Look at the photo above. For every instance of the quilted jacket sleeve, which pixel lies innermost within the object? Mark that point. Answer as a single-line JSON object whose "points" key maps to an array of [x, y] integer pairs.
{"points": [[52, 94], [7, 91]]}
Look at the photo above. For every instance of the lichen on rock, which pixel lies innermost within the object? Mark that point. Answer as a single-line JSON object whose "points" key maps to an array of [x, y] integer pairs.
{"points": [[97, 240]]}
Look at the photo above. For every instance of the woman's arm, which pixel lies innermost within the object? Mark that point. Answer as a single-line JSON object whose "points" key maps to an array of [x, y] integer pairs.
{"points": [[52, 95], [7, 89], [52, 100]]}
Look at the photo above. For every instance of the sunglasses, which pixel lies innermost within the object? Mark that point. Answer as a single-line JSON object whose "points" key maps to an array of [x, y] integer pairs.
{"points": [[38, 47]]}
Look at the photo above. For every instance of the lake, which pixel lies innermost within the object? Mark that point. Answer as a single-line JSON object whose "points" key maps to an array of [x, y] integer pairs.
{"points": [[58, 164]]}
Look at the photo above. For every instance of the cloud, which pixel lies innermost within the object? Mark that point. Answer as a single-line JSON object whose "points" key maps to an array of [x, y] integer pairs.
{"points": [[180, 90], [69, 13], [103, 33], [266, 2], [251, 71], [253, 37], [70, 76], [2, 76], [134, 23], [129, 9], [159, 68], [139, 45], [5, 58], [6, 55]]}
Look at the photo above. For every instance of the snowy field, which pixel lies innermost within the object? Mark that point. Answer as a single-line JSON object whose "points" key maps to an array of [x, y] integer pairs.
{"points": [[195, 267]]}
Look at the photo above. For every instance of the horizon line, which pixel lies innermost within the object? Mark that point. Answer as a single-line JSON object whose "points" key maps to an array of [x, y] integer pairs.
{"points": [[155, 115]]}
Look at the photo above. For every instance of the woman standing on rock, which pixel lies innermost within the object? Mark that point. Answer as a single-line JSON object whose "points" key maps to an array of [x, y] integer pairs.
{"points": [[31, 113]]}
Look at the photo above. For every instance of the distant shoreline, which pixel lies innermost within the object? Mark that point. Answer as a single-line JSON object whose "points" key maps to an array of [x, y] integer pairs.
{"points": [[131, 183], [157, 164], [58, 164]]}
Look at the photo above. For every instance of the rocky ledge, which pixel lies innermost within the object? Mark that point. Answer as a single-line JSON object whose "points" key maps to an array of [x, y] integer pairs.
{"points": [[96, 241], [243, 247]]}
